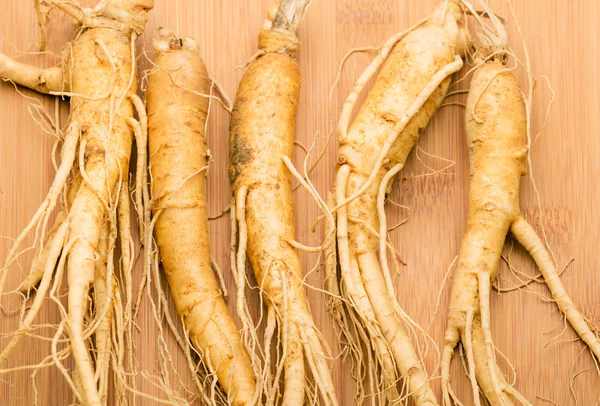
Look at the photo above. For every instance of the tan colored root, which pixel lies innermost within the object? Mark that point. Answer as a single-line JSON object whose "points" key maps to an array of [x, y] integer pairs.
{"points": [[394, 328], [451, 339], [42, 269], [267, 376], [233, 244], [79, 285], [480, 353], [307, 339], [37, 269], [82, 252], [543, 399], [119, 339], [72, 9], [484, 306], [254, 57], [423, 96], [194, 369], [105, 306], [250, 340], [58, 278], [81, 276], [143, 203], [527, 237], [401, 222], [45, 210], [354, 289], [292, 358], [348, 341], [66, 374], [81, 259], [43, 14], [383, 229], [217, 269], [470, 357], [102, 334], [439, 296], [225, 102], [321, 371], [221, 213], [317, 363], [432, 171], [140, 131], [42, 80], [386, 49], [160, 313], [368, 262], [307, 184], [53, 254], [111, 312], [127, 253], [298, 343], [248, 331]]}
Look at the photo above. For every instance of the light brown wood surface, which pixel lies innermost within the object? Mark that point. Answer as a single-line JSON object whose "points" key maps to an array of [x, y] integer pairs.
{"points": [[562, 36]]}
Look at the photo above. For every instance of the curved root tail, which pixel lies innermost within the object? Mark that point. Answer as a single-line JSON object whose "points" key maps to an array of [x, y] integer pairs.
{"points": [[368, 290], [526, 235], [299, 338], [80, 276], [473, 330]]}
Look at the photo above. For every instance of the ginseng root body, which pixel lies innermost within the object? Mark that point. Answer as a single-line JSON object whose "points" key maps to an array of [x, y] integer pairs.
{"points": [[178, 101], [261, 134], [497, 125], [409, 88], [98, 73]]}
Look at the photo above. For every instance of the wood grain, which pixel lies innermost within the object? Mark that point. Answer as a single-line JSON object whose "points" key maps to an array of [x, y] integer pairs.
{"points": [[561, 35]]}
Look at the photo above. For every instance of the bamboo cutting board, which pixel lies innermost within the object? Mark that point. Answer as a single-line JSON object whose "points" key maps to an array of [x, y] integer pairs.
{"points": [[561, 35]]}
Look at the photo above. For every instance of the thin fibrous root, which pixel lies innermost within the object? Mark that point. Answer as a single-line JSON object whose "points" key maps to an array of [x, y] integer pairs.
{"points": [[53, 254], [39, 264], [248, 331], [354, 288], [45, 210]]}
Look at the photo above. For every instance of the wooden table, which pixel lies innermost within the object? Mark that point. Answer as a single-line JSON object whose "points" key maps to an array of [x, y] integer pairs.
{"points": [[562, 37]]}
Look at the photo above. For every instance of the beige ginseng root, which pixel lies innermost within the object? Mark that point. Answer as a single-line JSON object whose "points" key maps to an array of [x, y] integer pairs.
{"points": [[98, 73], [498, 132], [177, 104], [416, 72], [261, 141]]}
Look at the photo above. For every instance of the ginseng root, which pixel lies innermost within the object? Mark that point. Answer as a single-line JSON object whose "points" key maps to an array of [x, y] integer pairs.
{"points": [[98, 73], [261, 133], [415, 76], [497, 127], [177, 102]]}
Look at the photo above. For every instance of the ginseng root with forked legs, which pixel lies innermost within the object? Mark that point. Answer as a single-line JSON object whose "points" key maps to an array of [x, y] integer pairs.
{"points": [[261, 134], [178, 102], [98, 73], [415, 76], [498, 135]]}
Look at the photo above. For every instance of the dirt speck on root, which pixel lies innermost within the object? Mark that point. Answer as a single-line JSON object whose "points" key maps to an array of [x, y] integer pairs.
{"points": [[240, 154]]}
